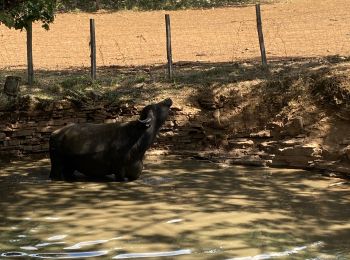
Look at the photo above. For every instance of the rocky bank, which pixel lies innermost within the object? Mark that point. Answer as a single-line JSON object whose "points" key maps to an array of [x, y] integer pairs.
{"points": [[288, 120]]}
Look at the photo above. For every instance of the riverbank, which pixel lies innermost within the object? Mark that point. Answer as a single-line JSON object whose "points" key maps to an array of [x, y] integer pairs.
{"points": [[294, 115]]}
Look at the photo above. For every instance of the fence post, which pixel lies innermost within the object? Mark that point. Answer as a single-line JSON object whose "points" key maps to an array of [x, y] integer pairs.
{"points": [[93, 49], [168, 47], [29, 29], [260, 35]]}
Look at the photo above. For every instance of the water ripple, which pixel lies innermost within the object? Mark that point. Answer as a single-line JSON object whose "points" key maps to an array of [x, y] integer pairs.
{"points": [[49, 244], [86, 243], [174, 221], [294, 250], [57, 237], [14, 254], [68, 255], [154, 254]]}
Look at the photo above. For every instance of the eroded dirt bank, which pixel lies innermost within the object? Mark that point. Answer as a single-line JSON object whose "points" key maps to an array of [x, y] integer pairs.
{"points": [[295, 115]]}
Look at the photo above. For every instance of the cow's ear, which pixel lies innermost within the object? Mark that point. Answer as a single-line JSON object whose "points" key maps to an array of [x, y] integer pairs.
{"points": [[146, 122], [148, 116]]}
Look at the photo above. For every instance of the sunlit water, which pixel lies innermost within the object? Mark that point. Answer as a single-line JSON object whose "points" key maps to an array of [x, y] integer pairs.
{"points": [[179, 209]]}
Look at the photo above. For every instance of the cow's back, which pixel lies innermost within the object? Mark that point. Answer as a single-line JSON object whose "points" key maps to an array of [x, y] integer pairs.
{"points": [[84, 138]]}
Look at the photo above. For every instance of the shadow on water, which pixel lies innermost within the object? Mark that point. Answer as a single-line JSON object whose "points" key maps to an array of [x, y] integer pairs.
{"points": [[178, 207]]}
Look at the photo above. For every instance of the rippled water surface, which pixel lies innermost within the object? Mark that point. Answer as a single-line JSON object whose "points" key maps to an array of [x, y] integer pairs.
{"points": [[179, 209]]}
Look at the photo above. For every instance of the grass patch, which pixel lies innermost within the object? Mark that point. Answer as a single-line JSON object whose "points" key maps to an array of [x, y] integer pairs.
{"points": [[289, 79], [72, 82]]}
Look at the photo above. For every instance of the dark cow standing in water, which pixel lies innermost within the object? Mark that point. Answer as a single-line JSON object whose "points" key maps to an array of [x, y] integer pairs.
{"points": [[102, 149]]}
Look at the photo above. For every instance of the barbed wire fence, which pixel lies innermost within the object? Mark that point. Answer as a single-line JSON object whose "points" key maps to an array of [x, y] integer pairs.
{"points": [[215, 35]]}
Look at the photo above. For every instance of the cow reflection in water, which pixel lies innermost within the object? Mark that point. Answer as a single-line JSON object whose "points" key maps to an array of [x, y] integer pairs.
{"points": [[97, 150]]}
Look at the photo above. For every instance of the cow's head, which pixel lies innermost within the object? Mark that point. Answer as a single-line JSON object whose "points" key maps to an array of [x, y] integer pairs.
{"points": [[153, 116]]}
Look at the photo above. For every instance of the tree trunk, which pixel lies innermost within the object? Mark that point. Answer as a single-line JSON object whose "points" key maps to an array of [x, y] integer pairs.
{"points": [[29, 30]]}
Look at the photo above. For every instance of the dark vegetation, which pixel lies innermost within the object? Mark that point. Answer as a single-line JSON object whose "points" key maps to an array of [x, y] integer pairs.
{"points": [[143, 5], [18, 14]]}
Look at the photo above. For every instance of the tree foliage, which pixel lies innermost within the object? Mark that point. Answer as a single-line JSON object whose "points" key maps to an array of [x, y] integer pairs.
{"points": [[18, 13]]}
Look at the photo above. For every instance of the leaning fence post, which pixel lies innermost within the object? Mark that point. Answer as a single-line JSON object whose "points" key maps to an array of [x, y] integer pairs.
{"points": [[168, 47], [93, 49], [261, 35]]}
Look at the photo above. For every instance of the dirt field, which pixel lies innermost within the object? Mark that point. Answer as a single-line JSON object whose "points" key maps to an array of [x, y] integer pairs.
{"points": [[297, 28]]}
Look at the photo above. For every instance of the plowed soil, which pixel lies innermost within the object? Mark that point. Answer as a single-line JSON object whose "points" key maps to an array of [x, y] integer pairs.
{"points": [[297, 28]]}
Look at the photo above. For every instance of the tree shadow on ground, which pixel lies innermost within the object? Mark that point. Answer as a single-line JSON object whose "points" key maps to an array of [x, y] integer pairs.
{"points": [[142, 83]]}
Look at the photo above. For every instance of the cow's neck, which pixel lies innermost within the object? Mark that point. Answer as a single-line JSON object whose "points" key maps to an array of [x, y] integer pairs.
{"points": [[143, 142]]}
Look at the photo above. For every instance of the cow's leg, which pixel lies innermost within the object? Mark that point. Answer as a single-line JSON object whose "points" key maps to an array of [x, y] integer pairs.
{"points": [[60, 168], [119, 176], [56, 172], [130, 172], [133, 171], [68, 171]]}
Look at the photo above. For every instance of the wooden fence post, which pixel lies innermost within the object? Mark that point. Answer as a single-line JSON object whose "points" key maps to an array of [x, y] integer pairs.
{"points": [[93, 49], [260, 35], [168, 47], [29, 29]]}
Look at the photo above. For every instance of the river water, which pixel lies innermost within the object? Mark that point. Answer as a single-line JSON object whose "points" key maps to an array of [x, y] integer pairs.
{"points": [[178, 209]]}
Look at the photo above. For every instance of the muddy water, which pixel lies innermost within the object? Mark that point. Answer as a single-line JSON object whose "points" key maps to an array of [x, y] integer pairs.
{"points": [[179, 209]]}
